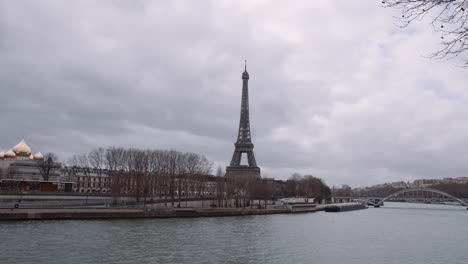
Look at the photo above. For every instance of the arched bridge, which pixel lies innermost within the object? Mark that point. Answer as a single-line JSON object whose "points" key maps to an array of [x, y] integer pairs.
{"points": [[396, 194]]}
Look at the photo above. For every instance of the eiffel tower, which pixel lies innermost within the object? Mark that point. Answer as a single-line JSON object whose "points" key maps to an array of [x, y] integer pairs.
{"points": [[244, 143]]}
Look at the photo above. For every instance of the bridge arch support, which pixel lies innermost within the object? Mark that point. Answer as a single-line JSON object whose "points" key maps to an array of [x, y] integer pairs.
{"points": [[423, 190]]}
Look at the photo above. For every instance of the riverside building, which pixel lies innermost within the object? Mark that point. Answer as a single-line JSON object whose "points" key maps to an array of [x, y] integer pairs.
{"points": [[20, 170], [87, 180]]}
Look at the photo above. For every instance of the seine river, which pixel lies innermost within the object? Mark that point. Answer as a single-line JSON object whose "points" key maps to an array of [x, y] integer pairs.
{"points": [[395, 233]]}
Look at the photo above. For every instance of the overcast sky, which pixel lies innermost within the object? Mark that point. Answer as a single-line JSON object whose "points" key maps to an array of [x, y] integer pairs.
{"points": [[337, 90]]}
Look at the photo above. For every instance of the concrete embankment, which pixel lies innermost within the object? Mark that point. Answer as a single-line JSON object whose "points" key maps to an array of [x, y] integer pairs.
{"points": [[108, 213]]}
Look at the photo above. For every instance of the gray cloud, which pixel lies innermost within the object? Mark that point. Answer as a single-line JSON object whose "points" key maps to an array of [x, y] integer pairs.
{"points": [[334, 92]]}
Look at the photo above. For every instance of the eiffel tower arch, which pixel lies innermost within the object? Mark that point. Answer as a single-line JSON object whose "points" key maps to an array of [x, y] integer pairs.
{"points": [[244, 143]]}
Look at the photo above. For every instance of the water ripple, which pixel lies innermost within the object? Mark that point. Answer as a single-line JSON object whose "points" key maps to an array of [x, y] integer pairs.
{"points": [[392, 234]]}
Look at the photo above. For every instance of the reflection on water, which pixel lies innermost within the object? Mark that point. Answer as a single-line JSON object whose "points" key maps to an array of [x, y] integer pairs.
{"points": [[395, 233]]}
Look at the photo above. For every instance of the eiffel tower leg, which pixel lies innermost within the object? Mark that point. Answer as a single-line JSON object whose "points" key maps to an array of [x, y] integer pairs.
{"points": [[251, 159], [236, 158]]}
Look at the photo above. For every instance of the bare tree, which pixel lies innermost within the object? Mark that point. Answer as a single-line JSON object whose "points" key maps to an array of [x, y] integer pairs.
{"points": [[47, 165], [449, 17], [296, 177], [144, 173], [267, 191], [220, 190], [344, 191], [163, 174], [78, 160], [73, 161], [96, 158], [154, 175], [172, 159], [113, 158], [114, 162], [183, 160], [82, 160], [139, 174]]}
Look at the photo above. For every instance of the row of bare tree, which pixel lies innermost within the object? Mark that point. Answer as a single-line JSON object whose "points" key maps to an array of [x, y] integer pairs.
{"points": [[243, 191], [306, 186], [167, 174], [172, 176]]}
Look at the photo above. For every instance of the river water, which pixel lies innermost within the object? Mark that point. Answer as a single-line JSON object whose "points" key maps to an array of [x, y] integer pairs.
{"points": [[395, 233]]}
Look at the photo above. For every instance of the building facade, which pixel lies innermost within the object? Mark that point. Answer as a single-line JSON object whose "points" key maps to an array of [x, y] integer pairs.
{"points": [[87, 180]]}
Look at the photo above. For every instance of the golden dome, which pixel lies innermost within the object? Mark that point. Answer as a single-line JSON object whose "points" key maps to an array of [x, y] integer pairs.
{"points": [[10, 154], [38, 156], [22, 149]]}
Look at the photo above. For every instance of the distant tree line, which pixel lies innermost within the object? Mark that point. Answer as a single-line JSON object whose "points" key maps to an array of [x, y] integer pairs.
{"points": [[374, 191], [306, 186], [459, 190], [343, 191], [167, 174], [171, 176]]}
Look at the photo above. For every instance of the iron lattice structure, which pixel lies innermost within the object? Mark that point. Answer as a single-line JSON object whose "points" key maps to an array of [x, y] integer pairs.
{"points": [[244, 139]]}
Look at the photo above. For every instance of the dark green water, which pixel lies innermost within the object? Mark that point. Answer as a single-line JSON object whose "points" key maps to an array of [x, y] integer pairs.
{"points": [[396, 233]]}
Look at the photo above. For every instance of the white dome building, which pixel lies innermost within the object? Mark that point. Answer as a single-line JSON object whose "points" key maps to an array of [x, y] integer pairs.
{"points": [[22, 149], [38, 156], [20, 170], [10, 154]]}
